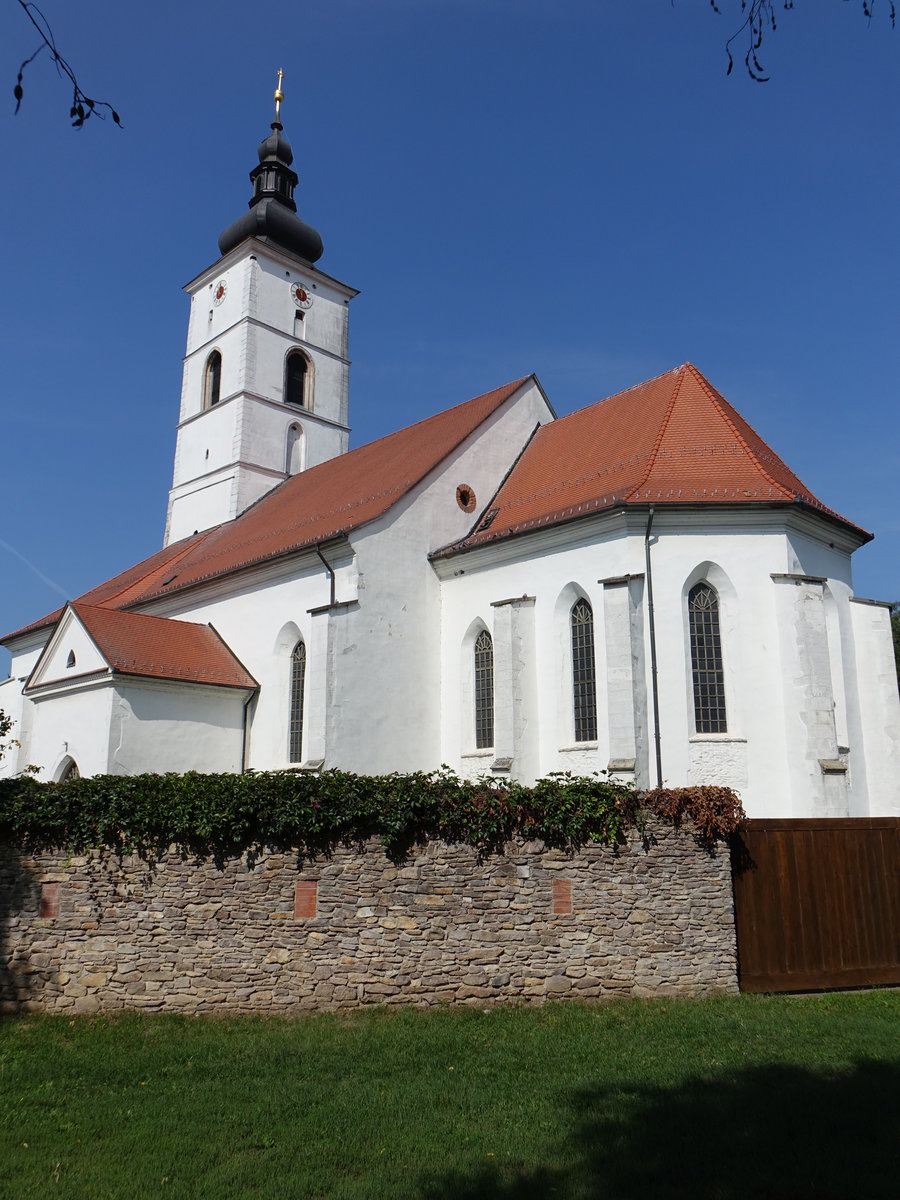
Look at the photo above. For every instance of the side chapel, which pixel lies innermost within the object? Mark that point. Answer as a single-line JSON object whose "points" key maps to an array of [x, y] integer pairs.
{"points": [[642, 587]]}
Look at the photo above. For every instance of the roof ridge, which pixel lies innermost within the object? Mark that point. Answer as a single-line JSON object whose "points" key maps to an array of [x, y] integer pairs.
{"points": [[663, 425], [511, 386], [716, 397]]}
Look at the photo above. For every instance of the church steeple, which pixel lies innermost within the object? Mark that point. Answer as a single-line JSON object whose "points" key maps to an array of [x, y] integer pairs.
{"points": [[272, 206], [266, 384]]}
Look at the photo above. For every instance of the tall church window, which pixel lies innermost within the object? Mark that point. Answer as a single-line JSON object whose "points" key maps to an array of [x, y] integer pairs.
{"points": [[296, 379], [706, 659], [298, 688], [484, 691], [584, 676], [212, 379]]}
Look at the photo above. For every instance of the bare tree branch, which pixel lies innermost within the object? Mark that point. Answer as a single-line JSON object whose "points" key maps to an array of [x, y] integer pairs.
{"points": [[759, 19], [83, 107]]}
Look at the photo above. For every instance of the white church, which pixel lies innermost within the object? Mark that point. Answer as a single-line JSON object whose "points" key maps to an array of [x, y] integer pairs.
{"points": [[641, 588]]}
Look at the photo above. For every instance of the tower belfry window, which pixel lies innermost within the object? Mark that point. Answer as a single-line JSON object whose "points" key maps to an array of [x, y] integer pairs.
{"points": [[296, 379], [212, 379]]}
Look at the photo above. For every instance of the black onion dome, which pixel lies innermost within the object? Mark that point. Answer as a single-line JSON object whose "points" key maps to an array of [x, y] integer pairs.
{"points": [[275, 146], [273, 211]]}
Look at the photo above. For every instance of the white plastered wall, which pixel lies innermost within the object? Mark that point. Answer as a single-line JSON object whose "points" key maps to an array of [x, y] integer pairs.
{"points": [[879, 706], [161, 726], [72, 724], [765, 753]]}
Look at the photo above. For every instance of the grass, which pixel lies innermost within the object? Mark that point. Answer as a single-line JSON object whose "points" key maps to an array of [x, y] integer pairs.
{"points": [[719, 1098]]}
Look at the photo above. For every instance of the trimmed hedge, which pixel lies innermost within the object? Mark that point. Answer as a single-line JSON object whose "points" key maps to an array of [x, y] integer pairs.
{"points": [[228, 815]]}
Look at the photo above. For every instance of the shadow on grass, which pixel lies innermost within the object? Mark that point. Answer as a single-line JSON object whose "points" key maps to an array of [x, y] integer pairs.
{"points": [[766, 1132]]}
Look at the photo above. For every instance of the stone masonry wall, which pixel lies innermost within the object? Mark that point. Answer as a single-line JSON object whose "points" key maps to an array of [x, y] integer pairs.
{"points": [[82, 934]]}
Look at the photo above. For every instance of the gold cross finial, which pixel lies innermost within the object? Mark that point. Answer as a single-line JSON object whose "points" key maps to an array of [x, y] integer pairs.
{"points": [[279, 96]]}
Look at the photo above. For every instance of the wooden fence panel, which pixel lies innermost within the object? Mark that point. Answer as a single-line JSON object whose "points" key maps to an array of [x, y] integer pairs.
{"points": [[817, 903]]}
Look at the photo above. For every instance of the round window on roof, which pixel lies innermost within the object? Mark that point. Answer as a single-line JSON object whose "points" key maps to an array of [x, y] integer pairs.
{"points": [[465, 497]]}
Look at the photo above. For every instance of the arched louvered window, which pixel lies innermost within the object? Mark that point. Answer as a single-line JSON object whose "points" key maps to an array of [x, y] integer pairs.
{"points": [[298, 688], [706, 660], [296, 371], [584, 675], [212, 379], [484, 691]]}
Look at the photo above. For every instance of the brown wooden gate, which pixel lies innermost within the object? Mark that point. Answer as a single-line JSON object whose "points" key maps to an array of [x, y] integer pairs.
{"points": [[817, 903]]}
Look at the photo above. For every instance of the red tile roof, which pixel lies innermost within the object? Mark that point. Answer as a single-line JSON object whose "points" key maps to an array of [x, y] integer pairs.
{"points": [[323, 502], [671, 440], [161, 648]]}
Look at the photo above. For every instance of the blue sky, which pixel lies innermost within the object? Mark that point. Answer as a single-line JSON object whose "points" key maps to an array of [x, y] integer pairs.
{"points": [[573, 188]]}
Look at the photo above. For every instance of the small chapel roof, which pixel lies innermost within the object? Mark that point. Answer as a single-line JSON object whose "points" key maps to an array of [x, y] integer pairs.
{"points": [[673, 440], [321, 503], [162, 648]]}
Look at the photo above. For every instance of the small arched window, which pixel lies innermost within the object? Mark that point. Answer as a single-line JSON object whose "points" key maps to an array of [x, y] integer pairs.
{"points": [[484, 691], [69, 772], [293, 458], [212, 379], [584, 675], [70, 661], [296, 376], [706, 659], [298, 688]]}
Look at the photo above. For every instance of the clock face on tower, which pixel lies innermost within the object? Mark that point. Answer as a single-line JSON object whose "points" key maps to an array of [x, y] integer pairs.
{"points": [[219, 291], [300, 294]]}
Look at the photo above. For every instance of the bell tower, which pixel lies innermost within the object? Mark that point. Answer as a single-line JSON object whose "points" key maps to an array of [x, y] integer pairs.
{"points": [[265, 389]]}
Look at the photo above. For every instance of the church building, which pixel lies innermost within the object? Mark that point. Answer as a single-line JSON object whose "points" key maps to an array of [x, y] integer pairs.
{"points": [[642, 588]]}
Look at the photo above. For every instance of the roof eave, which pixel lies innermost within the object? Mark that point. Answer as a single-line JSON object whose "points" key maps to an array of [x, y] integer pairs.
{"points": [[859, 535]]}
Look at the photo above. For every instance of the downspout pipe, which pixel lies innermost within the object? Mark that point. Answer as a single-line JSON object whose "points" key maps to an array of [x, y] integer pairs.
{"points": [[245, 731], [654, 680], [330, 569]]}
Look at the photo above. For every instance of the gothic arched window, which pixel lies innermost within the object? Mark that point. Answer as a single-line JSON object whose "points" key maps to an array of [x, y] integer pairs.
{"points": [[298, 687], [484, 691], [212, 379], [296, 373], [584, 676], [69, 772], [706, 659]]}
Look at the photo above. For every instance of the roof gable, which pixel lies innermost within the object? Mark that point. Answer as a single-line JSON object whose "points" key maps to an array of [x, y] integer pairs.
{"points": [[70, 654], [671, 440], [126, 643]]}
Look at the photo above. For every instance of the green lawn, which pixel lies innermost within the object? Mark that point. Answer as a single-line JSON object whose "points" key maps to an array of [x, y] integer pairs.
{"points": [[728, 1097]]}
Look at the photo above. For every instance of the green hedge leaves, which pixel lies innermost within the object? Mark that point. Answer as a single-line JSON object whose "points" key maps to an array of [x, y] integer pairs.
{"points": [[228, 815]]}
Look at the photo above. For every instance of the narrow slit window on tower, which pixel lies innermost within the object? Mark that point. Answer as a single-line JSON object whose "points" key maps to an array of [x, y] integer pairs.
{"points": [[584, 675], [707, 671], [212, 379], [295, 379], [293, 458], [298, 689], [484, 691]]}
